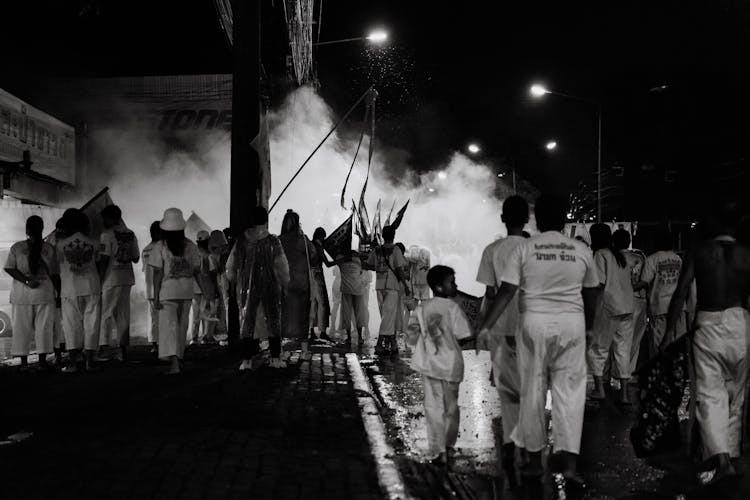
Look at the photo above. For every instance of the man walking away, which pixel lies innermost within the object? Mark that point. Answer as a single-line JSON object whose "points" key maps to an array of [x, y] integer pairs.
{"points": [[558, 281], [503, 334], [721, 268], [148, 271]]}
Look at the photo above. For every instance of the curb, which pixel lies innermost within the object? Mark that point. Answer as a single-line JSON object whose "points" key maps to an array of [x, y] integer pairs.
{"points": [[389, 477]]}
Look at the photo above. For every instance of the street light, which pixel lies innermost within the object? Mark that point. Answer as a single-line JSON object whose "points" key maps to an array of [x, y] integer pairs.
{"points": [[377, 37], [551, 145], [537, 90], [442, 176], [473, 148]]}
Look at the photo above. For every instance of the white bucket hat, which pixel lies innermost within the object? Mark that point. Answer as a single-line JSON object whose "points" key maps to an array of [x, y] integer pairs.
{"points": [[173, 220]]}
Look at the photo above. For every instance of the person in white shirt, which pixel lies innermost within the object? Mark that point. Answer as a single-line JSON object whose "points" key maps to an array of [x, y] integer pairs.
{"points": [[636, 259], [148, 271], [118, 252], [336, 299], [177, 264], [36, 277], [366, 287], [58, 338], [659, 276], [503, 335], [205, 314], [435, 330], [613, 325], [352, 296], [78, 256], [558, 283]]}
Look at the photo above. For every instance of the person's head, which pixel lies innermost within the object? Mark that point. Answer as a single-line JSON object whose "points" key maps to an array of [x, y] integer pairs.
{"points": [[61, 230], [319, 235], [621, 239], [76, 221], [173, 230], [389, 234], [34, 229], [228, 235], [111, 216], [202, 238], [723, 219], [601, 236], [401, 247], [550, 211], [581, 239], [515, 212], [664, 240], [442, 281], [290, 224], [155, 231], [217, 243], [258, 217]]}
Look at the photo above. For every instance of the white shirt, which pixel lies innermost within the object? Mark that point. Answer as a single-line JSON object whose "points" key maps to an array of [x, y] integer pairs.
{"points": [[18, 259], [636, 260], [551, 269], [449, 324], [121, 246], [179, 271], [148, 270], [661, 271], [491, 267], [618, 288], [351, 276], [77, 256]]}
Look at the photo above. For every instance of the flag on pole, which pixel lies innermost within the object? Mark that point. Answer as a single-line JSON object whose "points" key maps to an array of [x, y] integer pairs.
{"points": [[194, 225], [93, 209], [340, 240], [388, 219], [364, 218], [377, 230], [399, 216]]}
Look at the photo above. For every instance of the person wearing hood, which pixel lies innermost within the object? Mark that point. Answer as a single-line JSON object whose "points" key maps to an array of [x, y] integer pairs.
{"points": [[258, 270], [296, 306], [219, 252]]}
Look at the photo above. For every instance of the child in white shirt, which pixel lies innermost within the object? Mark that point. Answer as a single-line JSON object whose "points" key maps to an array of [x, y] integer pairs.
{"points": [[434, 330]]}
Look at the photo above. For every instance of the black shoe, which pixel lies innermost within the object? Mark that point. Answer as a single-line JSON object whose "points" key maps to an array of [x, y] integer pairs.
{"points": [[324, 336]]}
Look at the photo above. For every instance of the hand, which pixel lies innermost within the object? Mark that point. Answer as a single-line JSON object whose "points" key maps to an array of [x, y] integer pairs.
{"points": [[32, 283], [157, 305], [482, 341]]}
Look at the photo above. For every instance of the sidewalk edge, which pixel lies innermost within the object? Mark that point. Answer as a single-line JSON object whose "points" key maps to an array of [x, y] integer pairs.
{"points": [[389, 477]]}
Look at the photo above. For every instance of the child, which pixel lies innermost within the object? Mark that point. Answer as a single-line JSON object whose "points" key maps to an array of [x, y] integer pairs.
{"points": [[435, 329]]}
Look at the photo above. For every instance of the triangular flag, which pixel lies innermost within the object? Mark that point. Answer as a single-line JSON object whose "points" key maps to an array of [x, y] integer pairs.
{"points": [[400, 216], [388, 219], [377, 230], [340, 240], [194, 225]]}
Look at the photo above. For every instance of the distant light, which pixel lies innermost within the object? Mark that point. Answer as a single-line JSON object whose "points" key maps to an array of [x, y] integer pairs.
{"points": [[659, 88], [551, 146], [378, 36], [484, 201], [538, 90], [570, 215], [442, 176], [431, 190], [501, 174], [474, 148]]}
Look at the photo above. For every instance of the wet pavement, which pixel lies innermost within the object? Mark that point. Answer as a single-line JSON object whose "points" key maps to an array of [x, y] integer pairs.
{"points": [[608, 463]]}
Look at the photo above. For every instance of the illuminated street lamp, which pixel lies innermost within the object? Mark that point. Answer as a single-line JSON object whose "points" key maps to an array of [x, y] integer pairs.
{"points": [[442, 176], [377, 37], [473, 148], [538, 91], [551, 145]]}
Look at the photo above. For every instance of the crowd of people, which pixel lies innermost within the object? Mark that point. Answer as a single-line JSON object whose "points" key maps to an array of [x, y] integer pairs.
{"points": [[556, 310]]}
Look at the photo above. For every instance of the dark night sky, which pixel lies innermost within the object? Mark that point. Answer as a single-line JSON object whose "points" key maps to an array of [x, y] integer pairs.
{"points": [[458, 72]]}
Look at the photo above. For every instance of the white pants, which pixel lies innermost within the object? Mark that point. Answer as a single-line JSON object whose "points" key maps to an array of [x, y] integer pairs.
{"points": [[80, 321], [552, 355], [442, 414], [353, 311], [508, 385], [388, 302], [720, 350], [609, 330], [639, 327], [32, 322], [153, 331], [58, 338], [173, 327], [196, 307], [115, 316]]}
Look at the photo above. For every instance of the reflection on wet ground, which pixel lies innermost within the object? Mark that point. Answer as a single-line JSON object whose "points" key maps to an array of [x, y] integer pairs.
{"points": [[608, 462]]}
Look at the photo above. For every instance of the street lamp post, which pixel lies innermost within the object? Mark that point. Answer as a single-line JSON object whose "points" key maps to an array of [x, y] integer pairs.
{"points": [[538, 91]]}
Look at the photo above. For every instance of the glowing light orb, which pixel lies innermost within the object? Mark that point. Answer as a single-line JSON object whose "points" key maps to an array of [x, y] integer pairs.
{"points": [[474, 149], [551, 146], [377, 36], [538, 90]]}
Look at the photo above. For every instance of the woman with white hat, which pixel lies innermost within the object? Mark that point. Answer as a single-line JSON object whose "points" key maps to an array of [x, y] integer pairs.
{"points": [[176, 262]]}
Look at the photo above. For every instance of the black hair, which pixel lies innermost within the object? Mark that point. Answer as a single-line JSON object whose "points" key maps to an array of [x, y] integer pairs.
{"points": [[34, 229], [620, 242], [389, 233], [202, 244], [175, 241], [515, 211], [290, 223], [76, 221], [112, 212], [258, 217], [664, 240], [319, 234], [61, 229], [550, 211], [155, 230], [401, 247], [601, 236], [525, 234], [437, 274]]}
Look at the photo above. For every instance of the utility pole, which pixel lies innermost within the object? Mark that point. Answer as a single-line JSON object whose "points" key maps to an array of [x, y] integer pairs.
{"points": [[245, 162]]}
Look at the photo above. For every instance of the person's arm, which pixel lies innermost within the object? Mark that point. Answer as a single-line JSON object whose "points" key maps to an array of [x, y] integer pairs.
{"points": [[677, 304], [158, 277], [590, 297], [412, 330], [136, 252], [504, 295], [19, 276], [104, 254]]}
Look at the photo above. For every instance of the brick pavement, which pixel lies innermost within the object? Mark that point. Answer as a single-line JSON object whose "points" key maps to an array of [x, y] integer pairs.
{"points": [[132, 432]]}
